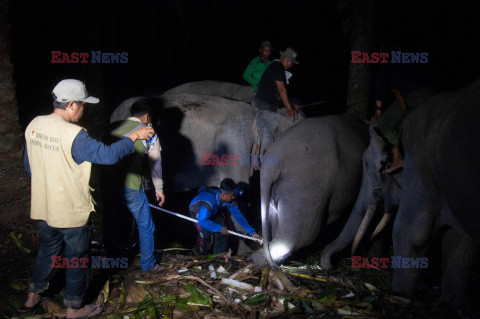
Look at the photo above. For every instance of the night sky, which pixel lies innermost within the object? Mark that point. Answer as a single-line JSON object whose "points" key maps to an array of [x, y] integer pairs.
{"points": [[173, 42]]}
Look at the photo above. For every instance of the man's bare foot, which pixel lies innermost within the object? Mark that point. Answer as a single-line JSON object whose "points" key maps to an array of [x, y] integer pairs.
{"points": [[397, 162], [88, 311], [32, 300], [32, 304], [396, 165]]}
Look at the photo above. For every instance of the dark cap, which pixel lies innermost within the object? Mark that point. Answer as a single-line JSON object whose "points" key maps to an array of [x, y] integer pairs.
{"points": [[266, 44], [227, 185]]}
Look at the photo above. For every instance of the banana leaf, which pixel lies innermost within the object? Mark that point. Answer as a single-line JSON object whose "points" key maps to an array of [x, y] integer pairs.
{"points": [[256, 300]]}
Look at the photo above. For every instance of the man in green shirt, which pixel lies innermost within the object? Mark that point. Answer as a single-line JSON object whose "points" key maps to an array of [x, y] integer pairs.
{"points": [[135, 197], [256, 67]]}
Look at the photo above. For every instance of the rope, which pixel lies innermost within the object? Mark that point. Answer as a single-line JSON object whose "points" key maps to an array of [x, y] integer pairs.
{"points": [[195, 221]]}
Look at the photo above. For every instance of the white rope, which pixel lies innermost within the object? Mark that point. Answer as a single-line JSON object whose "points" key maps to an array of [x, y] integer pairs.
{"points": [[260, 241]]}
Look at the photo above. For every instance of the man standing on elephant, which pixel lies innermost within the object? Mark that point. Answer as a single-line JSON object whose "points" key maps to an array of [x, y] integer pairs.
{"points": [[58, 156], [256, 67], [272, 88], [135, 197], [211, 208]]}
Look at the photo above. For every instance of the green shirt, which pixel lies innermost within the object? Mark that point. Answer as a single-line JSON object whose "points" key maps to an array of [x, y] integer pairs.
{"points": [[253, 72], [133, 178]]}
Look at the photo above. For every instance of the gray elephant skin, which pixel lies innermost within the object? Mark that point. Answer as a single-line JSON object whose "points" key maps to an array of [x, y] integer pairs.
{"points": [[440, 190], [193, 125], [378, 193], [439, 198], [312, 187]]}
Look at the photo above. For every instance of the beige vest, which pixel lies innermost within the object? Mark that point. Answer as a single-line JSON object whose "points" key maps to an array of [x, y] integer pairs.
{"points": [[60, 187]]}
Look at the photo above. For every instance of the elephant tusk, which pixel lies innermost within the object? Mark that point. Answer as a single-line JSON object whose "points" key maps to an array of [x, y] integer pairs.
{"points": [[367, 220], [386, 218]]}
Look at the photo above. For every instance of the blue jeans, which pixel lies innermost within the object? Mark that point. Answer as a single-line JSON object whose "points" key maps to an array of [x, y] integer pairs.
{"points": [[77, 241], [137, 203]]}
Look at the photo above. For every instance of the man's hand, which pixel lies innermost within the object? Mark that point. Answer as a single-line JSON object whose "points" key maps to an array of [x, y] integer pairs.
{"points": [[224, 230], [257, 236], [144, 133], [160, 198], [376, 116], [291, 113]]}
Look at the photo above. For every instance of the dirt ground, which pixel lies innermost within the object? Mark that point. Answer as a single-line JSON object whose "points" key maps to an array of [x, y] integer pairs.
{"points": [[186, 287]]}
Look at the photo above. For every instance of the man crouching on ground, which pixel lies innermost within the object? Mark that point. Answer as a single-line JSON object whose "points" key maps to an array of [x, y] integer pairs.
{"points": [[209, 207]]}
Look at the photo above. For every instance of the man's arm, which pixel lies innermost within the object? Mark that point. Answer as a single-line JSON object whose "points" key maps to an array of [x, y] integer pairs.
{"points": [[86, 148], [282, 90], [155, 161], [235, 211], [205, 222], [248, 73]]}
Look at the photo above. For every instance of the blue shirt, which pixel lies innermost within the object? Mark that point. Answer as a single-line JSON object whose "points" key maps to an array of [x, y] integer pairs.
{"points": [[212, 200], [88, 149]]}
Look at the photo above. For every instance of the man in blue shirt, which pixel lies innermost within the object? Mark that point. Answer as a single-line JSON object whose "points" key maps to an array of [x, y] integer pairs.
{"points": [[211, 208]]}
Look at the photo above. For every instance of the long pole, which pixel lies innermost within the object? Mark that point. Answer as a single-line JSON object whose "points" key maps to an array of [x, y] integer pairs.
{"points": [[260, 241]]}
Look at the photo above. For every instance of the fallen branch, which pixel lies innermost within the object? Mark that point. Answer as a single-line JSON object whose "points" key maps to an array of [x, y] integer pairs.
{"points": [[239, 284], [171, 277]]}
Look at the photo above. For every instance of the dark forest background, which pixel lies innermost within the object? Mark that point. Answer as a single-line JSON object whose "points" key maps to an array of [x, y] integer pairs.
{"points": [[171, 42]]}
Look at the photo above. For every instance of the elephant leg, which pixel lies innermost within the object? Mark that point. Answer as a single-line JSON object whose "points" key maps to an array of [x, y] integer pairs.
{"points": [[342, 241], [458, 254], [412, 228]]}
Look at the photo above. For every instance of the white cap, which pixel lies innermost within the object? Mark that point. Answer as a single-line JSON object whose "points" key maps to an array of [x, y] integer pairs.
{"points": [[72, 90]]}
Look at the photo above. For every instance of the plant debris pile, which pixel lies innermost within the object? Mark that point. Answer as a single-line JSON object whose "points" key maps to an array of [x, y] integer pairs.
{"points": [[226, 286], [220, 286]]}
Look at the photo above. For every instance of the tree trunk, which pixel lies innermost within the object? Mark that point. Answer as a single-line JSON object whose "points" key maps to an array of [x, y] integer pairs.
{"points": [[11, 136], [14, 191], [357, 16]]}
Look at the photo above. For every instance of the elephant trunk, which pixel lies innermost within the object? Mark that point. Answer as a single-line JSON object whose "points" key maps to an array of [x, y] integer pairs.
{"points": [[364, 226]]}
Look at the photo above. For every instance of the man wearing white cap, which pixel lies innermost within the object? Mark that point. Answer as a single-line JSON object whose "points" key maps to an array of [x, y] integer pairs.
{"points": [[272, 88], [58, 157]]}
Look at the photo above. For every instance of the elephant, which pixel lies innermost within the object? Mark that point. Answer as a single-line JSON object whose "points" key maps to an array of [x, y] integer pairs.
{"points": [[227, 90], [436, 194], [192, 126], [441, 183], [311, 186], [376, 189]]}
